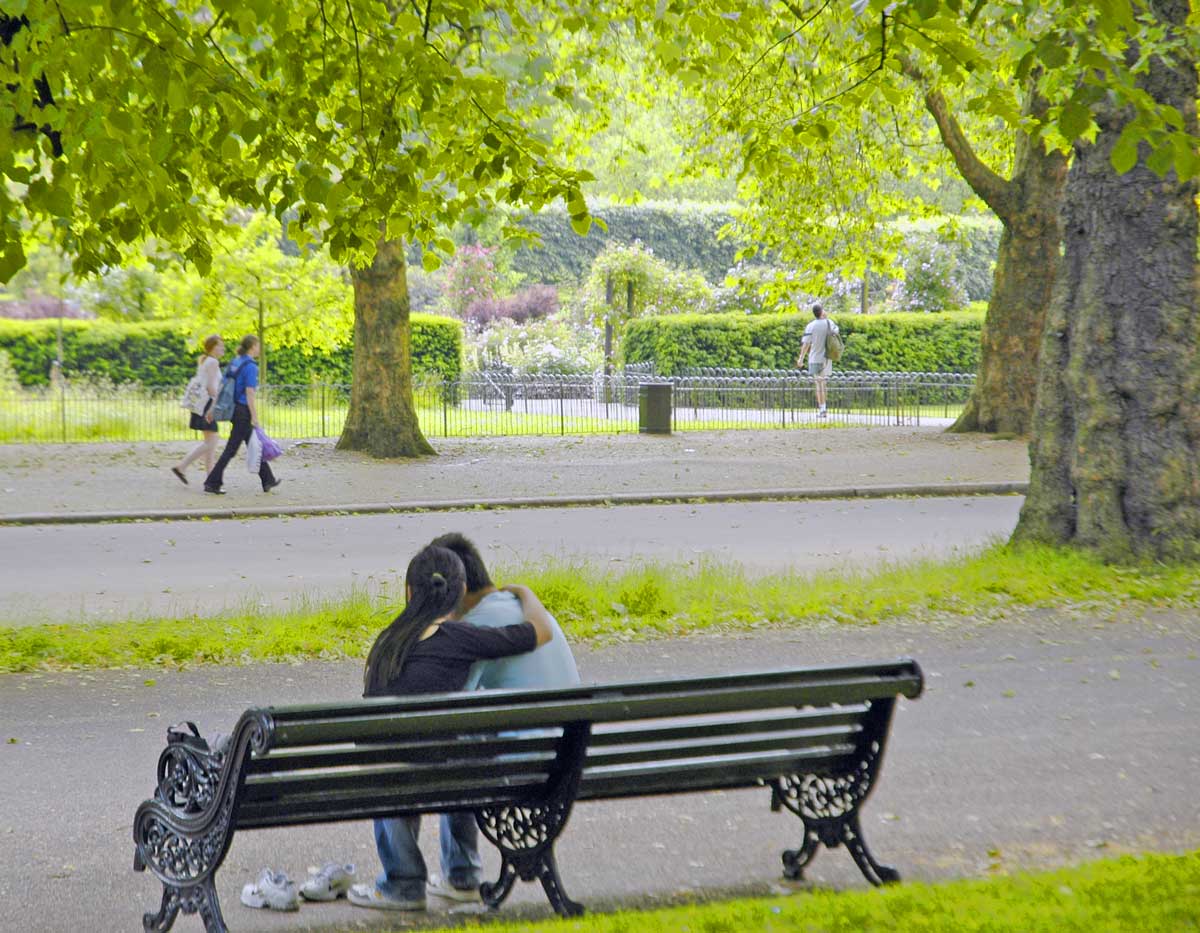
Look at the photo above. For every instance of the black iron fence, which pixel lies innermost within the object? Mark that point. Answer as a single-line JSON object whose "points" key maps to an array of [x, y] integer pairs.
{"points": [[499, 404]]}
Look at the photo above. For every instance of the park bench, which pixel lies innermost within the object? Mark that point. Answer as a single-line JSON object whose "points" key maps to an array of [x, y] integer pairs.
{"points": [[520, 760]]}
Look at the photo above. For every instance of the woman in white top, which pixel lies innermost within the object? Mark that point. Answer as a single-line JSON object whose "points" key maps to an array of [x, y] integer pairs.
{"points": [[208, 372]]}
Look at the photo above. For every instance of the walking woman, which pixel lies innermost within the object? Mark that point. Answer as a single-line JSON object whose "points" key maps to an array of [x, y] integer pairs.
{"points": [[208, 377], [244, 371], [423, 651]]}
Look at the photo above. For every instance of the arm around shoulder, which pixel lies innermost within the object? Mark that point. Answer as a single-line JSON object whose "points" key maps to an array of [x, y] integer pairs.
{"points": [[535, 613]]}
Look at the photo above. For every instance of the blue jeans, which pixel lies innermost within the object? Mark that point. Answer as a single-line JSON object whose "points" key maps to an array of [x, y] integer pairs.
{"points": [[404, 873]]}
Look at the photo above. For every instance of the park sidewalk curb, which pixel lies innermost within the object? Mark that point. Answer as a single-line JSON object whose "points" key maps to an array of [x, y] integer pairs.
{"points": [[921, 490]]}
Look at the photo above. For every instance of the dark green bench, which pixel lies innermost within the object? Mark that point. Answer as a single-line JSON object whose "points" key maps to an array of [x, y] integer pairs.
{"points": [[520, 760]]}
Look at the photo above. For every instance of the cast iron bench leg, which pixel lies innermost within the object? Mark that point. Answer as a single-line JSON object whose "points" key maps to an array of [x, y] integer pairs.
{"points": [[495, 892], [552, 883], [525, 834], [872, 870], [201, 898], [796, 860]]}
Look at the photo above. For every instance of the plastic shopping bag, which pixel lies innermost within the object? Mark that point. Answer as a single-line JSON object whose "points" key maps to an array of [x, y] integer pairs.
{"points": [[270, 449], [254, 453]]}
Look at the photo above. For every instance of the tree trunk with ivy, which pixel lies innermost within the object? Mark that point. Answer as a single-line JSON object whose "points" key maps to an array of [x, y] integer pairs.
{"points": [[1026, 265], [1115, 451], [383, 420]]}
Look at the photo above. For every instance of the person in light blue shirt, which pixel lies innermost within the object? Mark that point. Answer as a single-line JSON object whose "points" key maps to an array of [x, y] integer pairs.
{"points": [[551, 665]]}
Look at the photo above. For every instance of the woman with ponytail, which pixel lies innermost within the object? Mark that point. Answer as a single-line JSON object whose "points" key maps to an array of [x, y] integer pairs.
{"points": [[424, 651]]}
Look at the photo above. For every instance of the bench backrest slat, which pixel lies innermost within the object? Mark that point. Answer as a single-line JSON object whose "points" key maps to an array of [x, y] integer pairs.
{"points": [[451, 752], [725, 772], [465, 749], [369, 805], [686, 750], [613, 707], [732, 724]]}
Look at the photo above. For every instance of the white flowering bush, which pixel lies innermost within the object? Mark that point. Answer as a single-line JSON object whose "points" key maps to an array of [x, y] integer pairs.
{"points": [[550, 345], [931, 281]]}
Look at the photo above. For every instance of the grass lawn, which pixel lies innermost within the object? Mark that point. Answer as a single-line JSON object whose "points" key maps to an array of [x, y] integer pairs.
{"points": [[1152, 893], [595, 603]]}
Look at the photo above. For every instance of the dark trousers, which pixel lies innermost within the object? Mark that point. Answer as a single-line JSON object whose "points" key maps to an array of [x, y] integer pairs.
{"points": [[242, 429]]}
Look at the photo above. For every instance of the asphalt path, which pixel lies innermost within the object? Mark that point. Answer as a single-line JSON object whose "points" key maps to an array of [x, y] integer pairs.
{"points": [[1041, 740], [122, 571]]}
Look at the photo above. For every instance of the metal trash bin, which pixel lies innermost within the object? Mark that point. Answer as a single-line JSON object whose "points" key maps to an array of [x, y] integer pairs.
{"points": [[654, 408]]}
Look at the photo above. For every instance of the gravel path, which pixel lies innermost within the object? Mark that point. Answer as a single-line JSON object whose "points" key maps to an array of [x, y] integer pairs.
{"points": [[113, 477]]}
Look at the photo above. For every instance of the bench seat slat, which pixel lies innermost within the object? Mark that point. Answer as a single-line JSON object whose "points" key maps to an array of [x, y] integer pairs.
{"points": [[699, 775], [373, 724], [730, 724], [460, 748], [364, 806], [708, 750], [447, 774]]}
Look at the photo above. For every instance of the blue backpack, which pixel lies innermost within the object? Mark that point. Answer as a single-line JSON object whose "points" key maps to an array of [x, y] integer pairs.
{"points": [[223, 407]]}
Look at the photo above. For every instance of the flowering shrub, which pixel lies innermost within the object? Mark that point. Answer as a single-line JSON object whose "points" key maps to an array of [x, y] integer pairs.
{"points": [[930, 279], [40, 307], [470, 277], [532, 303], [550, 345]]}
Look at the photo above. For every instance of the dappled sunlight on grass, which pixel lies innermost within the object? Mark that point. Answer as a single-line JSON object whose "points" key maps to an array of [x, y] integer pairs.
{"points": [[1126, 895]]}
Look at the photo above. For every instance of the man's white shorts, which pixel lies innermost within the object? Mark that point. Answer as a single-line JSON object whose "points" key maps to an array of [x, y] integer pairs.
{"points": [[820, 368]]}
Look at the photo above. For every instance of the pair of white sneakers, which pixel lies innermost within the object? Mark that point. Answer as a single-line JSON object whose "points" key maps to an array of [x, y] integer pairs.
{"points": [[466, 900], [274, 890]]}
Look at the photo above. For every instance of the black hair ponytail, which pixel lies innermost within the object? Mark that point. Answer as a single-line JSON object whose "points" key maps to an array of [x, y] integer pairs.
{"points": [[435, 578]]}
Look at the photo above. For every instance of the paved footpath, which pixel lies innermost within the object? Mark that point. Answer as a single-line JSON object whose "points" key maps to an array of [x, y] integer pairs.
{"points": [[1041, 740], [114, 572], [76, 478]]}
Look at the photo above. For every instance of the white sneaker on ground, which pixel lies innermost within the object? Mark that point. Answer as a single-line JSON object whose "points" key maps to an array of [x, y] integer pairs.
{"points": [[439, 887], [327, 883], [367, 895], [273, 890]]}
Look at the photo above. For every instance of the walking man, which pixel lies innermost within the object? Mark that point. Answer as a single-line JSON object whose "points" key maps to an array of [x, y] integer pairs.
{"points": [[814, 344]]}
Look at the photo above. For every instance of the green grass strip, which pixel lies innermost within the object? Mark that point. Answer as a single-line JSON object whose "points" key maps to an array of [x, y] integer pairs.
{"points": [[1159, 893], [650, 599]]}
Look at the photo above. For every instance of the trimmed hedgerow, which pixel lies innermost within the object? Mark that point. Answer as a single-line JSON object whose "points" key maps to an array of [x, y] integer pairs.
{"points": [[682, 235], [874, 343], [160, 354]]}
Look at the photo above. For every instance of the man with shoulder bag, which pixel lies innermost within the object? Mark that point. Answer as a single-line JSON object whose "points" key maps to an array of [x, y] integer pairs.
{"points": [[822, 344]]}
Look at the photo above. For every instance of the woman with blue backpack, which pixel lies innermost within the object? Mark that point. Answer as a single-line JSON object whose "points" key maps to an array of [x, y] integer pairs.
{"points": [[236, 403]]}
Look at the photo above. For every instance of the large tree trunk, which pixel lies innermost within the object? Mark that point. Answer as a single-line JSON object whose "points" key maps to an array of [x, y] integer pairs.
{"points": [[1116, 445], [382, 419], [1026, 265]]}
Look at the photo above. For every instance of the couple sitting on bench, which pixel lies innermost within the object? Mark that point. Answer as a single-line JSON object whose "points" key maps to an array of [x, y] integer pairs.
{"points": [[458, 631]]}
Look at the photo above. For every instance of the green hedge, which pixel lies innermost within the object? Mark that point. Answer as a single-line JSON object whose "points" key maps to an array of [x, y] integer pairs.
{"points": [[160, 354], [684, 235], [875, 343]]}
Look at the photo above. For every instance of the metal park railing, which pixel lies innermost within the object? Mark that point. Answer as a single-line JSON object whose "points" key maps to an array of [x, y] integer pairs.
{"points": [[498, 404]]}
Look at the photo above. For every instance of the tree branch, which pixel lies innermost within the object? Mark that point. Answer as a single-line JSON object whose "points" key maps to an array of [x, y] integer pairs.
{"points": [[996, 191], [769, 49], [362, 113]]}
